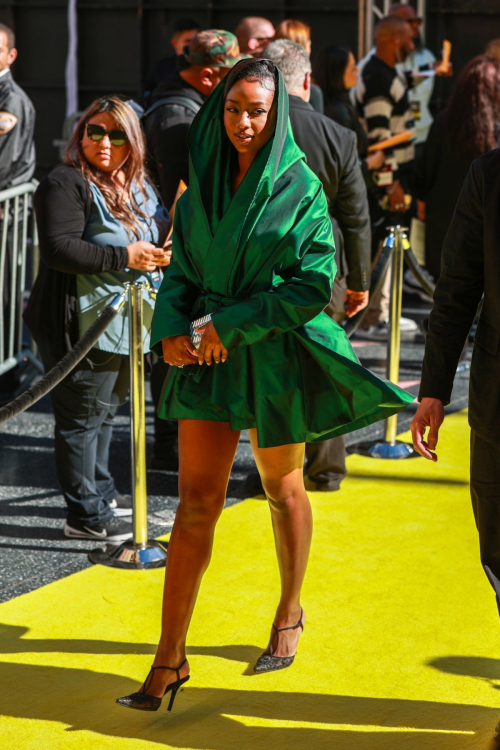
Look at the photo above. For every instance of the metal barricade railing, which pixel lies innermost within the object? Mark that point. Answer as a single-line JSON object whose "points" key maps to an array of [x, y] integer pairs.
{"points": [[18, 233], [396, 242], [141, 553]]}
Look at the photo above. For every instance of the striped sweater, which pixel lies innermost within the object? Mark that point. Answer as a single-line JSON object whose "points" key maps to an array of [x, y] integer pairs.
{"points": [[383, 107]]}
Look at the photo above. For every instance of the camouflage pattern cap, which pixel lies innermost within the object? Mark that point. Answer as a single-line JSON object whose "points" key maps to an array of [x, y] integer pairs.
{"points": [[215, 48]]}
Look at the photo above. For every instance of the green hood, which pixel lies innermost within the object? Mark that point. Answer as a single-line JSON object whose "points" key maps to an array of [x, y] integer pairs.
{"points": [[212, 157]]}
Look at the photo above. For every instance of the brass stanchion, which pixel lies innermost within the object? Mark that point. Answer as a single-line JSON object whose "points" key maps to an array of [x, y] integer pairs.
{"points": [[140, 553], [390, 447]]}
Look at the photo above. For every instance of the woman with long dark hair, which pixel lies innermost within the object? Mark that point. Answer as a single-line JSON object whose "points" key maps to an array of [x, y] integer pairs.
{"points": [[252, 270], [100, 223], [336, 73], [467, 128]]}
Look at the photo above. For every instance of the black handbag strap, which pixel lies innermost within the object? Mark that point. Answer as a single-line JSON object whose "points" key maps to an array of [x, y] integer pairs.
{"points": [[183, 101]]}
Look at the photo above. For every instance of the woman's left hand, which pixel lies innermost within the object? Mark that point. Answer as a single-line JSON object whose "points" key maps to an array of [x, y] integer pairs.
{"points": [[163, 255], [211, 346]]}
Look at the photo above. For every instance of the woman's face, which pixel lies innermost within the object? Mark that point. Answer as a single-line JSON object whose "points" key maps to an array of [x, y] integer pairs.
{"points": [[249, 116], [351, 73], [102, 154]]}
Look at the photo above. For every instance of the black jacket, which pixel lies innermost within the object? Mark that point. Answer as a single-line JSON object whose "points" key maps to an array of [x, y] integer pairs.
{"points": [[166, 136], [470, 267], [17, 145], [440, 174], [332, 154], [62, 206], [159, 73]]}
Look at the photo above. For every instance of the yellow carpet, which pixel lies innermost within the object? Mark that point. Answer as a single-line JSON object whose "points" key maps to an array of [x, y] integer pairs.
{"points": [[401, 648]]}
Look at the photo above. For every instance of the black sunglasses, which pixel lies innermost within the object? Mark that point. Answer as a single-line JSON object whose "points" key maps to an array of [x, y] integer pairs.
{"points": [[97, 133]]}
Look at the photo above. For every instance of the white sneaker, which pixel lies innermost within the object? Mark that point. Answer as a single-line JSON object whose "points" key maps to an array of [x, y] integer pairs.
{"points": [[380, 332], [407, 325]]}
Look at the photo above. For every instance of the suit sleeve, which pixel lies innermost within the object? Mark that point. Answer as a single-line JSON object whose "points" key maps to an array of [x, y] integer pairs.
{"points": [[351, 211], [60, 218], [304, 291], [458, 291]]}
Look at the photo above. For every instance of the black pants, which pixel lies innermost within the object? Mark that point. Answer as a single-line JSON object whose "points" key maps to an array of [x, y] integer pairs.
{"points": [[485, 493], [85, 404], [325, 461]]}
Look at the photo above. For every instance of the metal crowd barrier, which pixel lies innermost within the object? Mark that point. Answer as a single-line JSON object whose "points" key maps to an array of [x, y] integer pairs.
{"points": [[18, 230], [398, 246], [141, 553]]}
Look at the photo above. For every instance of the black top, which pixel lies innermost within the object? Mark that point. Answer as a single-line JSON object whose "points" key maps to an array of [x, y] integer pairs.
{"points": [[471, 267], [440, 174], [166, 136], [62, 204], [339, 108], [332, 154], [17, 147]]}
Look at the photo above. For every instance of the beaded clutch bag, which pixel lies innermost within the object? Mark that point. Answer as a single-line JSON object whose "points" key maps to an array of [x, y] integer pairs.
{"points": [[195, 326]]}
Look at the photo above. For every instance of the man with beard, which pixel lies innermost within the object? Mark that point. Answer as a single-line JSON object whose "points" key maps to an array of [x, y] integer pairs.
{"points": [[419, 59]]}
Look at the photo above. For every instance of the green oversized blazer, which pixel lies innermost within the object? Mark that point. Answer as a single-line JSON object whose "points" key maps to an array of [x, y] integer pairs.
{"points": [[262, 263]]}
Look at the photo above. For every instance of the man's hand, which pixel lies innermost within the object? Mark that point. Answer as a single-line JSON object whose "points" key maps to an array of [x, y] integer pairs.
{"points": [[443, 68], [179, 351], [430, 414], [356, 301], [211, 346]]}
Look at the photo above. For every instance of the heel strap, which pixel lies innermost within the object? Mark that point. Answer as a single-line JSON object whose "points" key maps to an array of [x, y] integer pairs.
{"points": [[172, 669], [280, 630]]}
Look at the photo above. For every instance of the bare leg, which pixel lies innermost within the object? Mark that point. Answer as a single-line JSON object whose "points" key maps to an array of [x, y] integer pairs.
{"points": [[281, 471], [206, 455]]}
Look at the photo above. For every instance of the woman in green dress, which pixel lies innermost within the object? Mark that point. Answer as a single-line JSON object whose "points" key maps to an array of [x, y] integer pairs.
{"points": [[252, 248]]}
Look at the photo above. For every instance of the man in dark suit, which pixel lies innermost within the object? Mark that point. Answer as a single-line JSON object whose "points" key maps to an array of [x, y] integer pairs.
{"points": [[470, 269], [331, 152]]}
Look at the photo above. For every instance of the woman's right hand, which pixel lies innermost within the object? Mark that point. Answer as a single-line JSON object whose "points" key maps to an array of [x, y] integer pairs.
{"points": [[179, 350], [143, 256], [375, 160]]}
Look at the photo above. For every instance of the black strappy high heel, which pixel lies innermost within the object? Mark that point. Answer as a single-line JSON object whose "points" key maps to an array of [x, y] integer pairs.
{"points": [[144, 702], [270, 663]]}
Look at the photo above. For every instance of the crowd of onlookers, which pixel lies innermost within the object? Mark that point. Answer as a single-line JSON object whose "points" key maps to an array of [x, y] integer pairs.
{"points": [[102, 223]]}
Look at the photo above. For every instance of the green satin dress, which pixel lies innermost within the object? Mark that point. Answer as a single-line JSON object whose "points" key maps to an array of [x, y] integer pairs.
{"points": [[262, 262]]}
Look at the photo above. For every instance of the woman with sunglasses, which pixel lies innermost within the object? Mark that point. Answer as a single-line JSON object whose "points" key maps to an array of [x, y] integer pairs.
{"points": [[253, 264], [100, 225]]}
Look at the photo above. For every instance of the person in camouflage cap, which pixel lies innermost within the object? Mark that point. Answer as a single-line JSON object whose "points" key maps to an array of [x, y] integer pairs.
{"points": [[216, 48], [173, 106]]}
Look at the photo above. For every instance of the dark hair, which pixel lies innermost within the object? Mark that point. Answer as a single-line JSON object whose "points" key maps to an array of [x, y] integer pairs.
{"points": [[185, 24], [263, 71], [329, 67], [11, 38], [472, 117]]}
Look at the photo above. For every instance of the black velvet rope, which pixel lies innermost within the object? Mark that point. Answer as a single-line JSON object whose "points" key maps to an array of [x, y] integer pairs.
{"points": [[351, 324], [59, 371], [421, 276]]}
